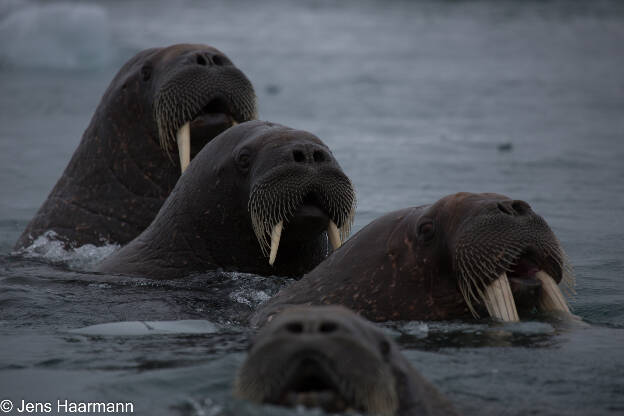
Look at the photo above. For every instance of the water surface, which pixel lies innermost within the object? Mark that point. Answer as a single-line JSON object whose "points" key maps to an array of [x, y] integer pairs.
{"points": [[416, 100]]}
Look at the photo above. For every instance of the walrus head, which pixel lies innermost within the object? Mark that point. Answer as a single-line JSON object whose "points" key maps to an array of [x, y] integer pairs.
{"points": [[185, 95], [328, 357], [123, 169], [260, 198], [464, 255]]}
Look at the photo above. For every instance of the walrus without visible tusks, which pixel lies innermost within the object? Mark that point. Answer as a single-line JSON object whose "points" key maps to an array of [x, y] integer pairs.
{"points": [[460, 257], [259, 198], [328, 357], [181, 96]]}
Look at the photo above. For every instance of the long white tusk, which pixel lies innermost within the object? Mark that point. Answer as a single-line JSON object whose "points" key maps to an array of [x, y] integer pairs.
{"points": [[499, 300], [184, 145], [276, 233], [551, 298], [334, 235]]}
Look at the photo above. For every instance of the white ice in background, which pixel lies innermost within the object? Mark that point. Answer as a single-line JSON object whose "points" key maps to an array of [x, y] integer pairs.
{"points": [[56, 36], [139, 328], [47, 247]]}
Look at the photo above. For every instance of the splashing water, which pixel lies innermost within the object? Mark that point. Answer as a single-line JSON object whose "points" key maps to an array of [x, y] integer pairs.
{"points": [[49, 248]]}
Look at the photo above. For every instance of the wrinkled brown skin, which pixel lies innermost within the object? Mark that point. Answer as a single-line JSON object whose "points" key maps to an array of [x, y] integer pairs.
{"points": [[205, 223], [354, 349], [119, 176], [388, 271]]}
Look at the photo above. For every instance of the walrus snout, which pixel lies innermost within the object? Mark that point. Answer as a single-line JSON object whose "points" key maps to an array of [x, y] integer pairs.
{"points": [[303, 193], [197, 97], [508, 258]]}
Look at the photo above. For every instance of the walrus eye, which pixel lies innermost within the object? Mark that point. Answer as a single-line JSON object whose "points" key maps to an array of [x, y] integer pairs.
{"points": [[146, 72], [426, 230], [243, 159]]}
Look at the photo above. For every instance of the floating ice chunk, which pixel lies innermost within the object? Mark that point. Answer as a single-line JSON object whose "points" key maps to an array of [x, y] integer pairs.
{"points": [[140, 328]]}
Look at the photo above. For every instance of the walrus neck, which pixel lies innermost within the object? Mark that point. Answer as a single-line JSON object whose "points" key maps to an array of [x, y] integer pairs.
{"points": [[121, 189]]}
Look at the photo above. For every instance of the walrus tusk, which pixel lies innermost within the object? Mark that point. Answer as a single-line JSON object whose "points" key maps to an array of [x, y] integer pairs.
{"points": [[334, 235], [499, 300], [184, 145], [551, 298], [275, 240]]}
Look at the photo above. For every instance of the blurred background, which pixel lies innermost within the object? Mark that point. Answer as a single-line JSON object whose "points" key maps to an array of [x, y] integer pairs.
{"points": [[416, 99]]}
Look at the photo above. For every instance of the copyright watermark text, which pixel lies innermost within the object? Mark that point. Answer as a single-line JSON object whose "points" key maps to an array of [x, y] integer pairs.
{"points": [[65, 407]]}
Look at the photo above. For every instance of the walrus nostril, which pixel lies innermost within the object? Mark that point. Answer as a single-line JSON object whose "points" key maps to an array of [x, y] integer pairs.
{"points": [[505, 208], [299, 156], [515, 207], [294, 327], [520, 207], [218, 61], [201, 60], [319, 156], [328, 327]]}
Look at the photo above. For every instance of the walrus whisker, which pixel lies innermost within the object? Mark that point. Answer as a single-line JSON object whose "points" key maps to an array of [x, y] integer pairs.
{"points": [[184, 145], [275, 201], [178, 104], [478, 276], [465, 280], [551, 298]]}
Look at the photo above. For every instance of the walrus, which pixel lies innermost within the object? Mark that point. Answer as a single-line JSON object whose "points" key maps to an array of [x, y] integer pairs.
{"points": [[329, 357], [464, 256], [259, 198], [163, 101]]}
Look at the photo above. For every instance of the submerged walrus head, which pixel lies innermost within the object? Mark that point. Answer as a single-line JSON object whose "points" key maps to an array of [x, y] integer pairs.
{"points": [[464, 255], [260, 198], [329, 357]]}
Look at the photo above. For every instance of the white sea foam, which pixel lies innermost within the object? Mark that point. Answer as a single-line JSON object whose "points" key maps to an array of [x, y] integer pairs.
{"points": [[56, 35], [250, 297], [415, 328], [48, 247]]}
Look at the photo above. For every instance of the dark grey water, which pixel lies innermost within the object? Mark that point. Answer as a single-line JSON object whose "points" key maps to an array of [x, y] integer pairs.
{"points": [[416, 99]]}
